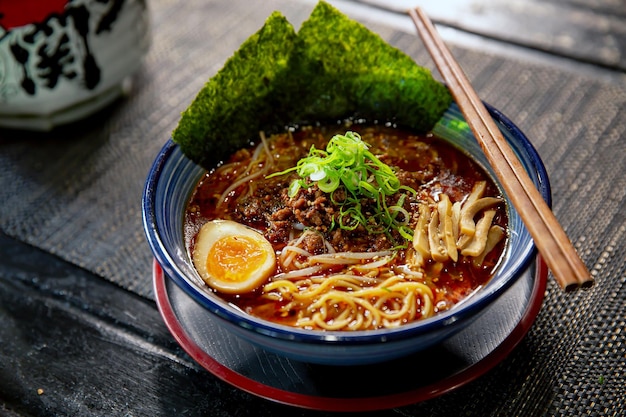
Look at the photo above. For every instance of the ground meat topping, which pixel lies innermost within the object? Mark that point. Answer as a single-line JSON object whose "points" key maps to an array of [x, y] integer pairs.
{"points": [[267, 206]]}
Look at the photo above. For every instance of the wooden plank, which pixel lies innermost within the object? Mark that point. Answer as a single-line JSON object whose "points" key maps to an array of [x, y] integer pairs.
{"points": [[73, 344], [590, 32]]}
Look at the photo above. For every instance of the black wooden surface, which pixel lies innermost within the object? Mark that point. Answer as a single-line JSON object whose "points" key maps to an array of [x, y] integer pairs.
{"points": [[72, 343]]}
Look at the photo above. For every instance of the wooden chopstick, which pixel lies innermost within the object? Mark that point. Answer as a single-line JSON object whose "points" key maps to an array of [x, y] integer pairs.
{"points": [[549, 237]]}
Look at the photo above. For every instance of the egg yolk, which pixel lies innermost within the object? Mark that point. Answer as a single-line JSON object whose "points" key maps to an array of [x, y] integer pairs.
{"points": [[234, 258]]}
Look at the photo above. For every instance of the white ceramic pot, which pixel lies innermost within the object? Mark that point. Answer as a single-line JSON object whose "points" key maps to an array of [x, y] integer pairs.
{"points": [[61, 60]]}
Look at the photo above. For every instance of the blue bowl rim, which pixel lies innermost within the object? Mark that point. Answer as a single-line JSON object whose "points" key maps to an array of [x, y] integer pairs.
{"points": [[288, 333]]}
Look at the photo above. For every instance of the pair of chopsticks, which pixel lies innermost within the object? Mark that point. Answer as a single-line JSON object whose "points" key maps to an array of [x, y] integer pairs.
{"points": [[548, 235]]}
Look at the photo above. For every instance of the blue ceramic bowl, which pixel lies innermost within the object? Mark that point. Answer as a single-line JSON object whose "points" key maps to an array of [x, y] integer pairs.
{"points": [[172, 179]]}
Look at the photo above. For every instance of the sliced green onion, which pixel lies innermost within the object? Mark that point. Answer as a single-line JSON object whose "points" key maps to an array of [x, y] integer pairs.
{"points": [[347, 161]]}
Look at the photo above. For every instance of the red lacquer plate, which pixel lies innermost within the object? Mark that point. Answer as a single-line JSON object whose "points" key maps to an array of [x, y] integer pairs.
{"points": [[441, 369]]}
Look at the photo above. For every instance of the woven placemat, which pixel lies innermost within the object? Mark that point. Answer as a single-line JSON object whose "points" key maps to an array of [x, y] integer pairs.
{"points": [[76, 192]]}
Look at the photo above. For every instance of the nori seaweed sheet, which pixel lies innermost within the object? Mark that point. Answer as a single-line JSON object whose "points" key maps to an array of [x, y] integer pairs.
{"points": [[353, 70], [334, 67], [235, 104]]}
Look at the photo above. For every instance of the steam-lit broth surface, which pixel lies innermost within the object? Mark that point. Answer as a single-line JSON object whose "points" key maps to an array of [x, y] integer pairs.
{"points": [[362, 276]]}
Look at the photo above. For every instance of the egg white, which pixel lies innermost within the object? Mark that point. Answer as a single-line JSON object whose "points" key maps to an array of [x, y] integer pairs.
{"points": [[211, 233]]}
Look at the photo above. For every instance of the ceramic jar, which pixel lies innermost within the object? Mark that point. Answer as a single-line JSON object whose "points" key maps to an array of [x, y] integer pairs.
{"points": [[61, 60]]}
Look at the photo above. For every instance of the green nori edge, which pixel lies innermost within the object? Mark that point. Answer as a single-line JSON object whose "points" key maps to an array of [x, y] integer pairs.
{"points": [[334, 67]]}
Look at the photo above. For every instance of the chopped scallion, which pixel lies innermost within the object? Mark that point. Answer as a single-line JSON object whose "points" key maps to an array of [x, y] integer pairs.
{"points": [[347, 162]]}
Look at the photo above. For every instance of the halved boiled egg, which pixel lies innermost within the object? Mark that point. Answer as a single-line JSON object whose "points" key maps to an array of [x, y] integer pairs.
{"points": [[233, 258]]}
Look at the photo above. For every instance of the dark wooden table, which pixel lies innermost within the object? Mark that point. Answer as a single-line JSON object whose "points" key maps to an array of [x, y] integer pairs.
{"points": [[80, 332]]}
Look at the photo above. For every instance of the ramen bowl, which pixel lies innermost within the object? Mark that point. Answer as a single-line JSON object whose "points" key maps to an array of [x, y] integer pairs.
{"points": [[173, 178]]}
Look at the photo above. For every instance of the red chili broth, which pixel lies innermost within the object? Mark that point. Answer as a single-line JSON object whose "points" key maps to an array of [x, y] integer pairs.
{"points": [[451, 282]]}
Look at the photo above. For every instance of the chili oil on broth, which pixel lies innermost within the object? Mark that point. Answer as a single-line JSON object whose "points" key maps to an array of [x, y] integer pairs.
{"points": [[377, 285]]}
